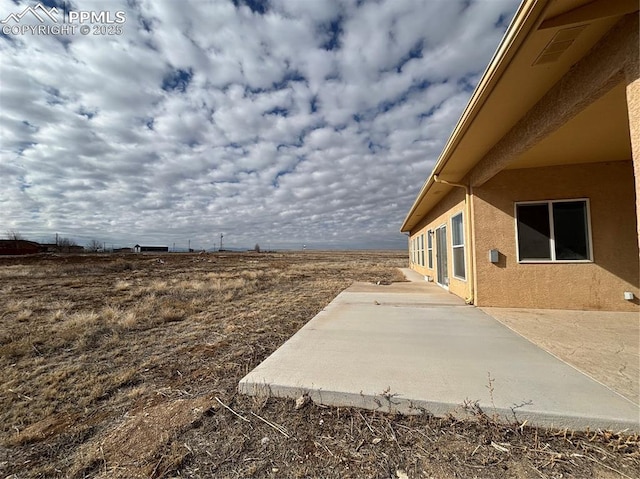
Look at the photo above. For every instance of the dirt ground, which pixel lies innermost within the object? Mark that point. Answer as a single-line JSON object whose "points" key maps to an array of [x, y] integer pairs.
{"points": [[126, 366]]}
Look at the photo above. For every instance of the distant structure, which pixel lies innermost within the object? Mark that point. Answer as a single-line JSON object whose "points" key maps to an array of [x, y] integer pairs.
{"points": [[123, 250], [58, 248], [19, 247], [22, 247], [150, 249]]}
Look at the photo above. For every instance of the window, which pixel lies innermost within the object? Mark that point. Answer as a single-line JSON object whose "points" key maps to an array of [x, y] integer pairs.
{"points": [[430, 249], [553, 231], [422, 249], [411, 250], [457, 242]]}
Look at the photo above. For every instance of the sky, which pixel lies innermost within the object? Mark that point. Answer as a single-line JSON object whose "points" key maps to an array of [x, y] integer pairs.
{"points": [[283, 123]]}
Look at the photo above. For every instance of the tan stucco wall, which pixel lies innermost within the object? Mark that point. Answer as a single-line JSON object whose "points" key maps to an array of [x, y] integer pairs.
{"points": [[589, 79], [632, 74], [590, 286], [451, 205]]}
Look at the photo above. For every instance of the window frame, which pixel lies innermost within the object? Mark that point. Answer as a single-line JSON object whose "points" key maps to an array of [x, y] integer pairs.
{"points": [[458, 246], [430, 249], [552, 243], [411, 250]]}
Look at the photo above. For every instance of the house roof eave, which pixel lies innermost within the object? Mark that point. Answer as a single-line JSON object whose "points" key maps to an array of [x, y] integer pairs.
{"points": [[525, 18]]}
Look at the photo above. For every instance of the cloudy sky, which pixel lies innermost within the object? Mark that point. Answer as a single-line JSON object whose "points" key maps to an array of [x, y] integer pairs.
{"points": [[283, 122]]}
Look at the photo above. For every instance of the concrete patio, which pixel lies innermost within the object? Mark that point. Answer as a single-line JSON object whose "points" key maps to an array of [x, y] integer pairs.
{"points": [[605, 345], [413, 347]]}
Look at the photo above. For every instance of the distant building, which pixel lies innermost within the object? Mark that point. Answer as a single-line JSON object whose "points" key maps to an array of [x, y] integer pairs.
{"points": [[150, 249], [49, 247], [123, 250], [55, 248], [19, 247]]}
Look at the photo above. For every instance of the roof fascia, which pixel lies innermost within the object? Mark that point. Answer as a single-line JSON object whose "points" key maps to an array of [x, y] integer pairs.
{"points": [[524, 21]]}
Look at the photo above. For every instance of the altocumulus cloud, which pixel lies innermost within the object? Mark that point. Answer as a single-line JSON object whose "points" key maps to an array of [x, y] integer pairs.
{"points": [[279, 122]]}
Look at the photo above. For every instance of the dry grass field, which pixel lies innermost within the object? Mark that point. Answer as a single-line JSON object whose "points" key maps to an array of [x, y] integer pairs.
{"points": [[127, 367]]}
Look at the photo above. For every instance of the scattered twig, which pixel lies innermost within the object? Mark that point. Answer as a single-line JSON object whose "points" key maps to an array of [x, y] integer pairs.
{"points": [[499, 447], [393, 436], [275, 426], [417, 431], [366, 422], [600, 450], [608, 467], [521, 427], [21, 395], [317, 444], [155, 469], [227, 407], [104, 460], [543, 476], [514, 407]]}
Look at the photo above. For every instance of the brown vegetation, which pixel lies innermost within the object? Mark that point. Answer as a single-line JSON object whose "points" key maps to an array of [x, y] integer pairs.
{"points": [[127, 366]]}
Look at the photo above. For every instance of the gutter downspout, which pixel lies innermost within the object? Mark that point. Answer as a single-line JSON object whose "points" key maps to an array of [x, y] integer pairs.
{"points": [[467, 233]]}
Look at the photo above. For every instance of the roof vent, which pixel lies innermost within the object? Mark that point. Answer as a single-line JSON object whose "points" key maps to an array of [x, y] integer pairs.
{"points": [[560, 42]]}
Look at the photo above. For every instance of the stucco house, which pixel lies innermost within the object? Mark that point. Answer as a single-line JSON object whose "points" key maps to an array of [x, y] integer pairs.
{"points": [[534, 202]]}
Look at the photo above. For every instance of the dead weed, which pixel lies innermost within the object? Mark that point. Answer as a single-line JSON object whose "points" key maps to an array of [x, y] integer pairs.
{"points": [[127, 366]]}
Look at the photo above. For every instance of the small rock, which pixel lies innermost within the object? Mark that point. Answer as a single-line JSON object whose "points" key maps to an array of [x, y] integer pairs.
{"points": [[302, 401], [377, 440], [401, 474], [275, 469], [264, 441], [376, 302]]}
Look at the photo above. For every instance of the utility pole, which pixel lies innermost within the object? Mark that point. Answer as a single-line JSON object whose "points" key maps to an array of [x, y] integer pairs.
{"points": [[221, 236], [189, 248]]}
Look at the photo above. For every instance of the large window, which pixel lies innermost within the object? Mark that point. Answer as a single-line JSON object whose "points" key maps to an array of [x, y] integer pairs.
{"points": [[421, 249], [457, 242], [430, 249], [553, 231]]}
